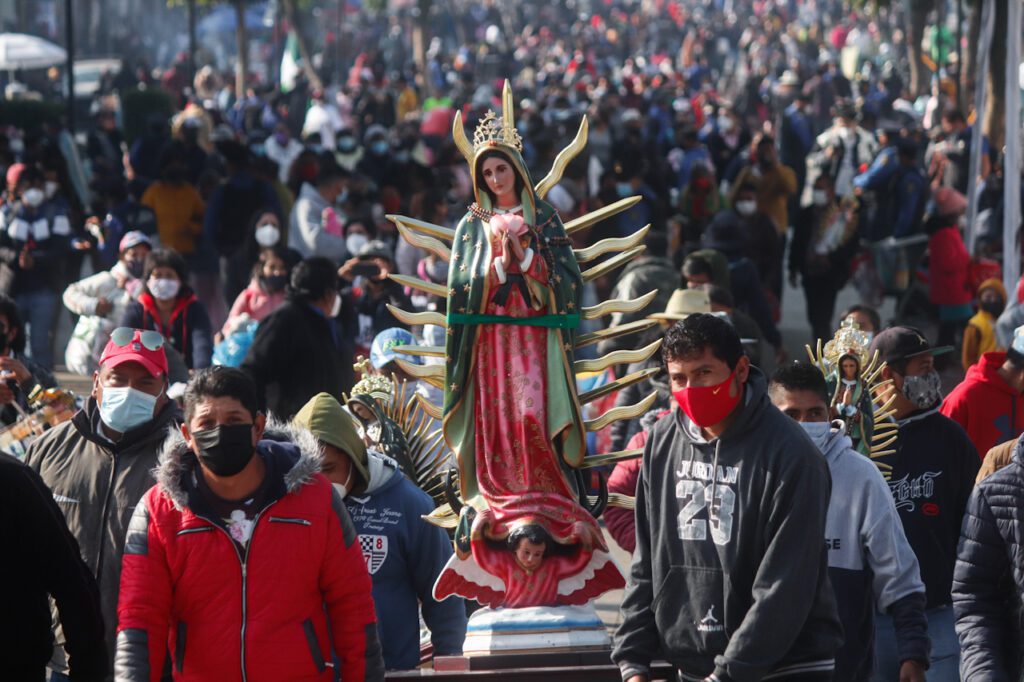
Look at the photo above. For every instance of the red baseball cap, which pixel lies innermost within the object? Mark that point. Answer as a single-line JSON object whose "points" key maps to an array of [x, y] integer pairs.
{"points": [[143, 346]]}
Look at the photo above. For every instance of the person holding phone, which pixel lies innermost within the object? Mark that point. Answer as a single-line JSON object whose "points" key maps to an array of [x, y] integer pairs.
{"points": [[372, 290]]}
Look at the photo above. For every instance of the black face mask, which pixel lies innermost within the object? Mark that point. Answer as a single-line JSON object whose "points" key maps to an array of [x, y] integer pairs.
{"points": [[273, 283], [135, 268], [993, 308], [226, 449]]}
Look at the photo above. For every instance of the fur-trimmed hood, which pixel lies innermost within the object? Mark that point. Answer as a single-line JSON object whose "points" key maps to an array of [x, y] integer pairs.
{"points": [[295, 446]]}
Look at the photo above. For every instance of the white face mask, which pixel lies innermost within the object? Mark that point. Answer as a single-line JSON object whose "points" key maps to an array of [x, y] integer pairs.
{"points": [[355, 242], [336, 308], [267, 235], [342, 488], [725, 124], [746, 207], [164, 289], [51, 188], [33, 196], [818, 432], [820, 197]]}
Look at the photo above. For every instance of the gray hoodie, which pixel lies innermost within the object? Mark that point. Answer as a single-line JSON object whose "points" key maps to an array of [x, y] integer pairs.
{"points": [[870, 563], [743, 591]]}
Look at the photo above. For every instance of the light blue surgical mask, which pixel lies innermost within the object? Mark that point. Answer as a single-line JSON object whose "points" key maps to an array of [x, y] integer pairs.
{"points": [[124, 408], [818, 432], [380, 147], [624, 188]]}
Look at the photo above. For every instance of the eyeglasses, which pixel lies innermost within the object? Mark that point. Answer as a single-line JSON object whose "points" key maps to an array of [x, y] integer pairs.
{"points": [[151, 340]]}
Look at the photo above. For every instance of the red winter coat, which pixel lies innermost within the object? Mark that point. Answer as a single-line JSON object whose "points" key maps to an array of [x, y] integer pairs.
{"points": [[988, 408], [621, 523], [948, 268], [274, 612]]}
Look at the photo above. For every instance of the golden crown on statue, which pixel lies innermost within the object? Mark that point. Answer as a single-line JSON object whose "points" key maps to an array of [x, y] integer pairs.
{"points": [[493, 131], [848, 340], [373, 385]]}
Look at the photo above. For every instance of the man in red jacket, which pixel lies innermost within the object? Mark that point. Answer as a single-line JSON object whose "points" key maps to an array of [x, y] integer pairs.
{"points": [[242, 561], [988, 402]]}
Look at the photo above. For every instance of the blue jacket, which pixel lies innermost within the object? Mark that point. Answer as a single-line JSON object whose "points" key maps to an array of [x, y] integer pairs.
{"points": [[901, 193], [797, 137], [404, 555], [989, 577]]}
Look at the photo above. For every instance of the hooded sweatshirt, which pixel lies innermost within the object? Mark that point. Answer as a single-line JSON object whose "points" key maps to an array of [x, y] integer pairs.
{"points": [[980, 334], [870, 563], [932, 470], [988, 408], [404, 555], [741, 590]]}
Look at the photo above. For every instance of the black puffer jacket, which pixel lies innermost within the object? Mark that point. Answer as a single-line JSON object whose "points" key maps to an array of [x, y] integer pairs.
{"points": [[989, 577]]}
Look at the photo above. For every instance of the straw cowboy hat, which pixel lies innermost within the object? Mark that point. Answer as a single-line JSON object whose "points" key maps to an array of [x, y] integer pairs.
{"points": [[684, 302]]}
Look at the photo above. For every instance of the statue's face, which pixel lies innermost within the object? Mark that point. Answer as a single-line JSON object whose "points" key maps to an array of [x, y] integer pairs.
{"points": [[849, 368], [500, 178], [530, 554]]}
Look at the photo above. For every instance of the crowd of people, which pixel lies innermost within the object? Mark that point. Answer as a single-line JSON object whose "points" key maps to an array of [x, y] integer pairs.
{"points": [[227, 269]]}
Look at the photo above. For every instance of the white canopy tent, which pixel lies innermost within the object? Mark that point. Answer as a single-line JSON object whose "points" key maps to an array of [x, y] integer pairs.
{"points": [[23, 51]]}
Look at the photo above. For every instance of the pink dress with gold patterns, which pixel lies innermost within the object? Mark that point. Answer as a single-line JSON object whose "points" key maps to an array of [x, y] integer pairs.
{"points": [[518, 470]]}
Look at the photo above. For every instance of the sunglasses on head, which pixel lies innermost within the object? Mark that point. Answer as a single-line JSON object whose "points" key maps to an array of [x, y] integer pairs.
{"points": [[150, 340]]}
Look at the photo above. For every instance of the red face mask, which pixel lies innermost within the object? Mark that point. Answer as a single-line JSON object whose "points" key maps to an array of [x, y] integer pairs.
{"points": [[708, 405]]}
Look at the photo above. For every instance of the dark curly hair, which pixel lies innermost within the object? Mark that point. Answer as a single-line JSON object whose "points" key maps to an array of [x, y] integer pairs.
{"points": [[688, 338]]}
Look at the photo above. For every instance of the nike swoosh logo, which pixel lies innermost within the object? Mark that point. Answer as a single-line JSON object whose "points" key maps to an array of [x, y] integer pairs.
{"points": [[715, 392]]}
